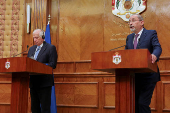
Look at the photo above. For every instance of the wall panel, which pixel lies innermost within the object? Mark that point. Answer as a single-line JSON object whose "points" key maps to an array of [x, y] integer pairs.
{"points": [[162, 25], [166, 96], [154, 100], [109, 95], [77, 94], [5, 93], [78, 28], [4, 108]]}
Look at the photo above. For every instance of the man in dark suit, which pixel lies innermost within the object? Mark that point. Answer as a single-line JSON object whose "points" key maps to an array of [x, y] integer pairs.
{"points": [[144, 82], [40, 85]]}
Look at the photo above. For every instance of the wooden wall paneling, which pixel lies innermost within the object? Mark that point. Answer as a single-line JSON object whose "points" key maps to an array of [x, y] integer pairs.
{"points": [[83, 82], [69, 31], [148, 14], [167, 66], [39, 14], [159, 97], [163, 64], [77, 94], [65, 67], [83, 66], [154, 103], [81, 29], [45, 12], [77, 110], [54, 23], [166, 96], [115, 29], [165, 77], [26, 39], [4, 108], [76, 67], [110, 79], [109, 95], [91, 27], [5, 93], [162, 24]]}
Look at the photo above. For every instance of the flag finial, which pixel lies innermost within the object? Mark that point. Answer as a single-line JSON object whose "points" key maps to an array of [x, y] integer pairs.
{"points": [[49, 18]]}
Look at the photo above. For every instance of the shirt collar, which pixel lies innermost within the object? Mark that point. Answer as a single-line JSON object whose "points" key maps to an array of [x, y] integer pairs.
{"points": [[40, 46], [140, 32]]}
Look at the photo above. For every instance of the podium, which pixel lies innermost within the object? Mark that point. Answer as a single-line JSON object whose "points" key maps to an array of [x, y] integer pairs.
{"points": [[124, 63], [21, 68]]}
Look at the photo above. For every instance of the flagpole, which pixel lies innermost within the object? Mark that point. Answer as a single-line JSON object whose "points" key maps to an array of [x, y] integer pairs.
{"points": [[53, 96]]}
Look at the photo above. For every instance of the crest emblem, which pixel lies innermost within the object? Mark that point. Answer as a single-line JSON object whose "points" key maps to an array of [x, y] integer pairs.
{"points": [[7, 64], [125, 8], [116, 58]]}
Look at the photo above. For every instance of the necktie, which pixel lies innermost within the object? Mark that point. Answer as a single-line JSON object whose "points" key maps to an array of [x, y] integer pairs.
{"points": [[36, 52], [135, 41]]}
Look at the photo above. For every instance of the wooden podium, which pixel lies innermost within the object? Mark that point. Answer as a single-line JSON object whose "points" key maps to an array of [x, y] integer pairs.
{"points": [[124, 63], [21, 68]]}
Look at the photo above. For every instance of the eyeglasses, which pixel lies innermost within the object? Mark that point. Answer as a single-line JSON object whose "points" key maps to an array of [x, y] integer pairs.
{"points": [[133, 21]]}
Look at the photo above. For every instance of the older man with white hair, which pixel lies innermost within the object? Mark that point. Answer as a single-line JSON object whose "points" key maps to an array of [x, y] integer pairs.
{"points": [[40, 85]]}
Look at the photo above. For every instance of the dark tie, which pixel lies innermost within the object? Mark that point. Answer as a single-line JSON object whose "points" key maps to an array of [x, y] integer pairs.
{"points": [[36, 52], [136, 41]]}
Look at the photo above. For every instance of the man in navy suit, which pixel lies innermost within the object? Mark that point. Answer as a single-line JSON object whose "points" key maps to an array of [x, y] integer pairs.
{"points": [[144, 82], [40, 85]]}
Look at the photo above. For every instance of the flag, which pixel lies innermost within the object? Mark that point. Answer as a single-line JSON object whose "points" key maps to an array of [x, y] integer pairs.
{"points": [[53, 98], [47, 34]]}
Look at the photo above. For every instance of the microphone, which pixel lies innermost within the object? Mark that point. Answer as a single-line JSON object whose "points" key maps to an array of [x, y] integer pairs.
{"points": [[22, 52], [119, 46]]}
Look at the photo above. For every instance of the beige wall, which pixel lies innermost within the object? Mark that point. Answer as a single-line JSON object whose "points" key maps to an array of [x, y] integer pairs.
{"points": [[11, 25]]}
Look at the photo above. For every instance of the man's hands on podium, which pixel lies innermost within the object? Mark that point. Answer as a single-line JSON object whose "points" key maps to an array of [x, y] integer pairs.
{"points": [[153, 58]]}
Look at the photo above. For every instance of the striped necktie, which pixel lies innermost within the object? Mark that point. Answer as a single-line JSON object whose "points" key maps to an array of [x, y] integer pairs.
{"points": [[136, 41], [36, 52]]}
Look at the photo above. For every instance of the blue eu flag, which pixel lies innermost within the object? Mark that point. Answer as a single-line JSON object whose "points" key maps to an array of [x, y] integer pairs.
{"points": [[53, 98]]}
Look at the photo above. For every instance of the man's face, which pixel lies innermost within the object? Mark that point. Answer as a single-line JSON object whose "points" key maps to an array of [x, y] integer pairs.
{"points": [[37, 39], [135, 24]]}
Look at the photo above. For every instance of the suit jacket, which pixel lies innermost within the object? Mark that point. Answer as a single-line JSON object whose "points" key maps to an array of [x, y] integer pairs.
{"points": [[148, 40], [47, 55]]}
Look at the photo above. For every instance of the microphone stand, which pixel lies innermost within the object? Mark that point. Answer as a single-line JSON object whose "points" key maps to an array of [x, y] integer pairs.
{"points": [[22, 52], [117, 48]]}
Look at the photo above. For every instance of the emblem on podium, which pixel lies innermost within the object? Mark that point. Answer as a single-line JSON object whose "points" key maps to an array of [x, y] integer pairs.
{"points": [[116, 58], [7, 64]]}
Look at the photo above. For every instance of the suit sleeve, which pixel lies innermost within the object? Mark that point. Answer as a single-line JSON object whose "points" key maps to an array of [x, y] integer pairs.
{"points": [[28, 53], [126, 46], [157, 50], [53, 57]]}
